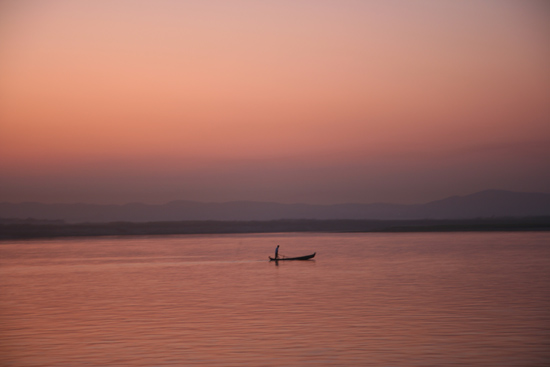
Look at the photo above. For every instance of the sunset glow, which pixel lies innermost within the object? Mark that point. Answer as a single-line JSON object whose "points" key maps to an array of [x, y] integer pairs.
{"points": [[288, 101]]}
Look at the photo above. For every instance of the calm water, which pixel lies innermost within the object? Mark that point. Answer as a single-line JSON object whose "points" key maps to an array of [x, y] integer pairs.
{"points": [[452, 299]]}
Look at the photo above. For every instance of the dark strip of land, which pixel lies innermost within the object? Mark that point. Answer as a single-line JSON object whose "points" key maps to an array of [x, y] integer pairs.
{"points": [[26, 229]]}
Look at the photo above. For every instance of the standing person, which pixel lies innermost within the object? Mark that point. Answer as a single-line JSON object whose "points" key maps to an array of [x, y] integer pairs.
{"points": [[277, 252]]}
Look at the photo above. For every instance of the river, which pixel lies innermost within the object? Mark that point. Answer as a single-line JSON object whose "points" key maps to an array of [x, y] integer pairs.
{"points": [[401, 299]]}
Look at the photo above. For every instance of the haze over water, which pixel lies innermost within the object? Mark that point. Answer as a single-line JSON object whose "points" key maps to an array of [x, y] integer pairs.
{"points": [[449, 299]]}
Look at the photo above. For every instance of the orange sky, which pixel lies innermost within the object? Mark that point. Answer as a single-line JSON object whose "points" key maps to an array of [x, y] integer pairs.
{"points": [[292, 101]]}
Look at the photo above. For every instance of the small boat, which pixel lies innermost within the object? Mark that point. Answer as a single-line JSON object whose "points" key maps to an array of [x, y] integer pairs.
{"points": [[307, 257]]}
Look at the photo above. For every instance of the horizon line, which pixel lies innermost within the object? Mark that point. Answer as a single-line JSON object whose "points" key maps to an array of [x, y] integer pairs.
{"points": [[269, 202]]}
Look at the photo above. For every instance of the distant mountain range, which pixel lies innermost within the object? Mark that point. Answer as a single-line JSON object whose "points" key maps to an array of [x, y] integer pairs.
{"points": [[484, 204]]}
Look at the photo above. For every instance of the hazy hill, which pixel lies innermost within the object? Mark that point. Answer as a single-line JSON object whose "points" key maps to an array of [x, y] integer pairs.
{"points": [[482, 204]]}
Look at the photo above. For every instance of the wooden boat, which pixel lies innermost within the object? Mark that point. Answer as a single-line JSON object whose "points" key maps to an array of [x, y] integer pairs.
{"points": [[307, 257]]}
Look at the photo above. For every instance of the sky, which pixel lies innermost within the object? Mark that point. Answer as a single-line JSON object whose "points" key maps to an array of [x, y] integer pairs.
{"points": [[292, 101]]}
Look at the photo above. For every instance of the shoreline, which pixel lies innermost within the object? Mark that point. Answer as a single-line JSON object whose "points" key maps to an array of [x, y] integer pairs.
{"points": [[28, 229]]}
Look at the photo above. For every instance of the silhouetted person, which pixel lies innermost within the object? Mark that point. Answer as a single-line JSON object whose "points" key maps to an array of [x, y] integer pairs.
{"points": [[277, 252]]}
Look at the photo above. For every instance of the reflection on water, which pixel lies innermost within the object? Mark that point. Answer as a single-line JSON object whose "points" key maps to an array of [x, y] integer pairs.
{"points": [[449, 299]]}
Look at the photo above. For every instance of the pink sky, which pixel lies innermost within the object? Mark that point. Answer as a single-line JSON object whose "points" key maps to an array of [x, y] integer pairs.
{"points": [[292, 101]]}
